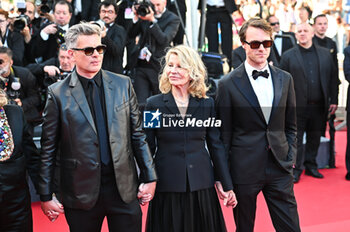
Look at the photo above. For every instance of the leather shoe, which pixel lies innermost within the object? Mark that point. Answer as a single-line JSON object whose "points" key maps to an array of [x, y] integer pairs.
{"points": [[347, 177], [296, 177], [313, 173]]}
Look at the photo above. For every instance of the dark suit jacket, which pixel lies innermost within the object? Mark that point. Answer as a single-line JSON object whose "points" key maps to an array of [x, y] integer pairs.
{"points": [[115, 41], [292, 62], [239, 56], [28, 93], [158, 37], [69, 126], [229, 5], [15, 41], [244, 131], [25, 157], [287, 44], [180, 152], [89, 11], [346, 66]]}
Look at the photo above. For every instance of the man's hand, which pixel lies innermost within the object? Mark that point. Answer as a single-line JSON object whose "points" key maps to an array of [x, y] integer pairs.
{"points": [[18, 101], [148, 17], [51, 70], [229, 197], [332, 108], [146, 192], [52, 209], [50, 29], [26, 34]]}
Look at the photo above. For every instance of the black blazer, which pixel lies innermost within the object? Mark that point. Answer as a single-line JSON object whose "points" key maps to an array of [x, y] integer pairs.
{"points": [[180, 153], [346, 66], [15, 41], [158, 37], [244, 131], [69, 126], [230, 5], [287, 44], [115, 41], [292, 62], [25, 157], [89, 11]]}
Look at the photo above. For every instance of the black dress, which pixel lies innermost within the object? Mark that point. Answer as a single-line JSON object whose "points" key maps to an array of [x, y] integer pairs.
{"points": [[185, 198]]}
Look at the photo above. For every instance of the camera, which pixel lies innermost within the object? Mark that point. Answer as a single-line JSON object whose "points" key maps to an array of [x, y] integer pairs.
{"points": [[49, 80], [60, 35], [44, 8], [12, 89], [22, 20], [143, 7]]}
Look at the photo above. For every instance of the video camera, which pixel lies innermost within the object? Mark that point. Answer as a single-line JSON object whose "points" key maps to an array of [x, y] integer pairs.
{"points": [[22, 20], [143, 7]]}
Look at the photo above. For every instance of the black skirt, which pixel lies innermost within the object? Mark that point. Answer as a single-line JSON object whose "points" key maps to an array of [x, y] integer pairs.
{"points": [[185, 212]]}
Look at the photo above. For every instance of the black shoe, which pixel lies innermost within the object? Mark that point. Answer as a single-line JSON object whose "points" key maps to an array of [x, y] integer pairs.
{"points": [[313, 173], [347, 177], [296, 177]]}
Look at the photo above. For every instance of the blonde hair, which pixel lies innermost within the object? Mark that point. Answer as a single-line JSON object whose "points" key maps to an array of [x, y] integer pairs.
{"points": [[193, 64], [3, 98]]}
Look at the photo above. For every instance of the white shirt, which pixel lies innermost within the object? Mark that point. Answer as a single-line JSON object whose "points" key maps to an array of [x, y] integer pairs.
{"points": [[263, 88], [218, 3], [278, 43]]}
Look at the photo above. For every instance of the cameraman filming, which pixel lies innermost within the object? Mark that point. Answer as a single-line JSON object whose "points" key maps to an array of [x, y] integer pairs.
{"points": [[157, 27], [52, 34], [20, 85], [11, 39]]}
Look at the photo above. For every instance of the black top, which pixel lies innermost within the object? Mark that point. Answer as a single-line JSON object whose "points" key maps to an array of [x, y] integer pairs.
{"points": [[88, 94], [311, 66]]}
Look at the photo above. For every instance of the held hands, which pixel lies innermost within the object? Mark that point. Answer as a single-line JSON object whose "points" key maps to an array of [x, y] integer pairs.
{"points": [[146, 192], [332, 108], [52, 209], [51, 70], [229, 197]]}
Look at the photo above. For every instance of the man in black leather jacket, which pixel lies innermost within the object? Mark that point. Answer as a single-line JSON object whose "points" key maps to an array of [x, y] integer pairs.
{"points": [[92, 117]]}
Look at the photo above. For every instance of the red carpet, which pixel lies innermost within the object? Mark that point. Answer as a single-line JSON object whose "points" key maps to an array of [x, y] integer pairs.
{"points": [[323, 204]]}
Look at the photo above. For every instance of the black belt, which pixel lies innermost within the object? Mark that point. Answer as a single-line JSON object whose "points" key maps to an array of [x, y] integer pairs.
{"points": [[315, 103], [215, 7]]}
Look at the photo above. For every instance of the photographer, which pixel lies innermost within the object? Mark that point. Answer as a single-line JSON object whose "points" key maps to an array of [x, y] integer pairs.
{"points": [[11, 39], [52, 70], [113, 36], [20, 85], [157, 27], [52, 34]]}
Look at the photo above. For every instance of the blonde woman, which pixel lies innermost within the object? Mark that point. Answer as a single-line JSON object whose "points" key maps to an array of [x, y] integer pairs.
{"points": [[185, 198], [18, 155]]}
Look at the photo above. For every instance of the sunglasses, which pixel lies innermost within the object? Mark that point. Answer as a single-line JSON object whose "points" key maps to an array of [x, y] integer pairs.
{"points": [[256, 44], [88, 51], [276, 23]]}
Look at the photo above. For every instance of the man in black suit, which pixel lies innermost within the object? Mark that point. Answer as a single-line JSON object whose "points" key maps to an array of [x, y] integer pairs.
{"points": [[219, 12], [171, 5], [347, 77], [93, 119], [320, 39], [84, 10], [48, 40], [156, 29], [282, 40], [21, 87], [316, 88], [256, 103], [113, 36]]}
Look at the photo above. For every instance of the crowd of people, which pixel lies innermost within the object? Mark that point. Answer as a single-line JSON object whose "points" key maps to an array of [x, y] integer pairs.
{"points": [[91, 73]]}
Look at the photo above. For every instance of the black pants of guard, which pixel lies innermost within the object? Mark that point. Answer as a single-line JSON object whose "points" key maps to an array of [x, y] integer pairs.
{"points": [[347, 157], [121, 217], [311, 121], [15, 211]]}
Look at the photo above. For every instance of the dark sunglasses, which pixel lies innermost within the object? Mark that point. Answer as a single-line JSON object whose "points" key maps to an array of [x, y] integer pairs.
{"points": [[90, 50], [256, 44], [276, 23]]}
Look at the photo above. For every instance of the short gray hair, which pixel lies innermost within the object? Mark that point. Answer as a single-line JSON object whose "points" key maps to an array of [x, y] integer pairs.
{"points": [[82, 28]]}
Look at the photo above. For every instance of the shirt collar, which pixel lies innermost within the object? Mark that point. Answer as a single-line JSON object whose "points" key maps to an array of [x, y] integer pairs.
{"points": [[85, 81], [249, 69]]}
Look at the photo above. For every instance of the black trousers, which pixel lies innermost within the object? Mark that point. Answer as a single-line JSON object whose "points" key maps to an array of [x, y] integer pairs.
{"points": [[310, 121], [15, 211], [277, 188], [146, 84], [215, 16], [347, 156], [121, 217]]}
